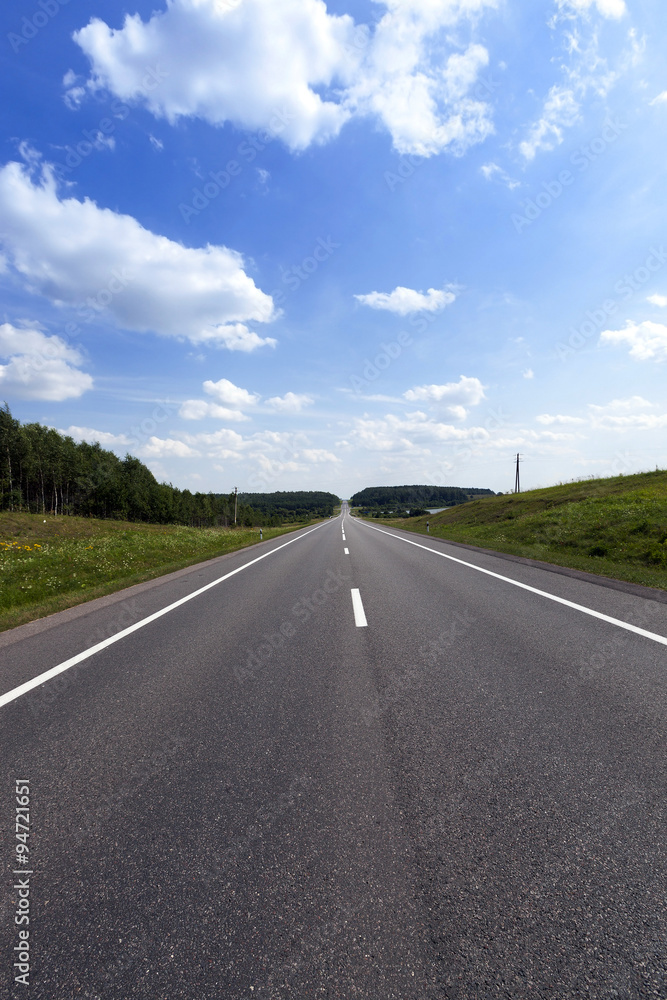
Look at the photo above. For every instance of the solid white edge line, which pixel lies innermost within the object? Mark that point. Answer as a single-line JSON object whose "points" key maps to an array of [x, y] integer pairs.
{"points": [[534, 590], [10, 696], [358, 607]]}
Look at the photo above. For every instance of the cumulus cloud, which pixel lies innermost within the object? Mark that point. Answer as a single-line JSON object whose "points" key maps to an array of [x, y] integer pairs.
{"points": [[232, 400], [455, 396], [291, 402], [319, 455], [78, 254], [228, 394], [413, 434], [634, 413], [558, 418], [660, 98], [657, 300], [299, 72], [166, 448], [647, 340], [198, 409], [105, 438], [256, 64], [40, 366], [404, 301]]}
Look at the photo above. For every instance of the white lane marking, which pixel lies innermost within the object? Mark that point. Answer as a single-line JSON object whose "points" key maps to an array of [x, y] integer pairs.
{"points": [[542, 593], [10, 696], [359, 613], [344, 538], [346, 551]]}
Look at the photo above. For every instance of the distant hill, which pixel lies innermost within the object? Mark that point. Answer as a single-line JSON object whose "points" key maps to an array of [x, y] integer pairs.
{"points": [[392, 497], [615, 527], [289, 506]]}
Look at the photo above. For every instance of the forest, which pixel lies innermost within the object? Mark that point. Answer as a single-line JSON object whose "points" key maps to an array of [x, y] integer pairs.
{"points": [[401, 497], [292, 506], [44, 472]]}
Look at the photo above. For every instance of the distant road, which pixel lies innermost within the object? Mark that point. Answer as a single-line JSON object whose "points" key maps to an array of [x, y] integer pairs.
{"points": [[351, 767]]}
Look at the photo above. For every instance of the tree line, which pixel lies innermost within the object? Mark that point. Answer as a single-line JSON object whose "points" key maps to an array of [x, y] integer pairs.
{"points": [[392, 497], [44, 472], [293, 506]]}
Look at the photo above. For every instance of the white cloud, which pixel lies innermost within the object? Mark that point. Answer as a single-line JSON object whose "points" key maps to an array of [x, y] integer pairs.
{"points": [[528, 373], [228, 394], [413, 434], [78, 254], [583, 72], [559, 418], [291, 402], [105, 438], [492, 171], [648, 340], [607, 8], [403, 301], [560, 111], [660, 98], [199, 409], [257, 64], [421, 92], [627, 414], [658, 300], [299, 72], [224, 443], [456, 396], [166, 448], [318, 455], [39, 366], [235, 400]]}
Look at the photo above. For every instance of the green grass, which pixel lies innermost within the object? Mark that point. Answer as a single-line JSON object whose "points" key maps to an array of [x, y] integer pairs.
{"points": [[613, 527], [48, 564]]}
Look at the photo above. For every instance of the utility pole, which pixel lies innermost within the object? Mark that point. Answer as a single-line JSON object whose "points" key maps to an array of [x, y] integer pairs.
{"points": [[236, 494], [517, 487]]}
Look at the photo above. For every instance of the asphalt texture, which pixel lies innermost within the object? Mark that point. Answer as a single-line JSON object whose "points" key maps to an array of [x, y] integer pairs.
{"points": [[253, 797]]}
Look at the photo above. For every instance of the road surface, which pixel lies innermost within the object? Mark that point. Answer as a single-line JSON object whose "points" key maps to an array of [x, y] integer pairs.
{"points": [[356, 766]]}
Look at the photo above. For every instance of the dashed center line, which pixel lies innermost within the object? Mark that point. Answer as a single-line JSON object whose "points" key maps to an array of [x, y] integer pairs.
{"points": [[359, 613], [346, 551]]}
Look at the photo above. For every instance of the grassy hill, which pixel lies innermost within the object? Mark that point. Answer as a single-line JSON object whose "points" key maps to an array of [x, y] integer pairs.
{"points": [[50, 563], [614, 527]]}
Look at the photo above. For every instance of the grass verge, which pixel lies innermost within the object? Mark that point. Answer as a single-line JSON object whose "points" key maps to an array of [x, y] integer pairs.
{"points": [[611, 527], [49, 564]]}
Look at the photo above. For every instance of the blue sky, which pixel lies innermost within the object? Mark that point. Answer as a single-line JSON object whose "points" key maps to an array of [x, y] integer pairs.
{"points": [[328, 246]]}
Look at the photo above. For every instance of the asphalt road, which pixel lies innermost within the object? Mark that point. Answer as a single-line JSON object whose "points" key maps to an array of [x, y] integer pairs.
{"points": [[450, 787]]}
